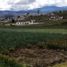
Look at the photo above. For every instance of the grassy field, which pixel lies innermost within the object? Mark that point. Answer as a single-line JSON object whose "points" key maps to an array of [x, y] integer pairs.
{"points": [[6, 61], [61, 65], [12, 38], [35, 30]]}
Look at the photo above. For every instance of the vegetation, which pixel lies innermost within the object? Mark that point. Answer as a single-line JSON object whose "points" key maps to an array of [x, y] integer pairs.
{"points": [[61, 65], [61, 13], [8, 62], [36, 45], [39, 26], [12, 39]]}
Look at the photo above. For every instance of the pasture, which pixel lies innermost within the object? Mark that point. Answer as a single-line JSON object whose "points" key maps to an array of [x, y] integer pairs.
{"points": [[45, 38], [11, 38]]}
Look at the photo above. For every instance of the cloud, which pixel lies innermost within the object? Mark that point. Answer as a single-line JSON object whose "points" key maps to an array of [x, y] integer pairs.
{"points": [[61, 3], [20, 2], [29, 4], [4, 5]]}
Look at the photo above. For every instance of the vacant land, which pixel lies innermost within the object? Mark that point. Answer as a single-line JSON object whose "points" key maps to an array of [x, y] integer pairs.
{"points": [[33, 47]]}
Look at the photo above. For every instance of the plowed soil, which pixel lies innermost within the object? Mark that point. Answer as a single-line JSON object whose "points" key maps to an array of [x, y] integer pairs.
{"points": [[38, 57]]}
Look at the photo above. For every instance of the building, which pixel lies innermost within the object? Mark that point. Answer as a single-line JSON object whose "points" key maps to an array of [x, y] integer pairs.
{"points": [[26, 22], [55, 17]]}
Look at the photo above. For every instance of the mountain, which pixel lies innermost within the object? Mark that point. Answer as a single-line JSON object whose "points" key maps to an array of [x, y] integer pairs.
{"points": [[45, 9], [51, 8], [6, 12]]}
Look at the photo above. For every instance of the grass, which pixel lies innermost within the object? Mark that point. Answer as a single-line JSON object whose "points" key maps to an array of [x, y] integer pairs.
{"points": [[8, 62], [51, 35], [12, 38], [39, 26], [61, 31], [61, 65], [51, 38]]}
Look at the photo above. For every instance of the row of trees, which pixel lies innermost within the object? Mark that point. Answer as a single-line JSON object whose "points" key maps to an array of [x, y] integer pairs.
{"points": [[61, 13]]}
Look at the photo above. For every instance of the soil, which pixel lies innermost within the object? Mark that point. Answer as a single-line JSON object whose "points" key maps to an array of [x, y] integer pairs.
{"points": [[38, 57]]}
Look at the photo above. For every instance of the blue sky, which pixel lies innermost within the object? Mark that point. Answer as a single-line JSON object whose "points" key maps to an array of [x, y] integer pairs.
{"points": [[29, 4]]}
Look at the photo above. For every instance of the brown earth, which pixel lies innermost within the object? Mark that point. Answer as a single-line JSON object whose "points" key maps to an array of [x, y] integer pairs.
{"points": [[38, 57]]}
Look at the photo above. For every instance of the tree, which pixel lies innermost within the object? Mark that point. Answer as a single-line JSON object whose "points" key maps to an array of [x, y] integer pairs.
{"points": [[12, 20], [38, 11]]}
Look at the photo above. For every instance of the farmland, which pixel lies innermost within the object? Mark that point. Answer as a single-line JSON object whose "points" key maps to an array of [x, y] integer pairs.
{"points": [[30, 46], [34, 40]]}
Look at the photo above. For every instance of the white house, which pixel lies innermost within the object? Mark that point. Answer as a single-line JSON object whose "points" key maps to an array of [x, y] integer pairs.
{"points": [[56, 17], [26, 22]]}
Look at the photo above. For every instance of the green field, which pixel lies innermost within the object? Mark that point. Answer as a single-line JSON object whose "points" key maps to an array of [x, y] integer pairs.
{"points": [[12, 38], [8, 62], [60, 31]]}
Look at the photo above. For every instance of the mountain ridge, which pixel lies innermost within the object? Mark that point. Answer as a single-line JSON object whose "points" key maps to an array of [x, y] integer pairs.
{"points": [[45, 9]]}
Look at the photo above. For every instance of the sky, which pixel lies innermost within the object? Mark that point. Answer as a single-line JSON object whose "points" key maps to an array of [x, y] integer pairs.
{"points": [[29, 4]]}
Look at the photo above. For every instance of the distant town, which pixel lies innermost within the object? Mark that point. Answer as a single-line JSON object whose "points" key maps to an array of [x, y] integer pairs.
{"points": [[32, 19]]}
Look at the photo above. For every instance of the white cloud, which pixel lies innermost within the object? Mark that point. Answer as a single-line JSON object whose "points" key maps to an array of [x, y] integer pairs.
{"points": [[4, 5], [29, 4]]}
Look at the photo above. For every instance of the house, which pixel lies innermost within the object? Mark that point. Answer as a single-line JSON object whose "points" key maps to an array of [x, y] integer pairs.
{"points": [[26, 22], [55, 17]]}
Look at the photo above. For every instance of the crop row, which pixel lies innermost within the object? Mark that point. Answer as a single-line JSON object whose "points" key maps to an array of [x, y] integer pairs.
{"points": [[13, 39]]}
